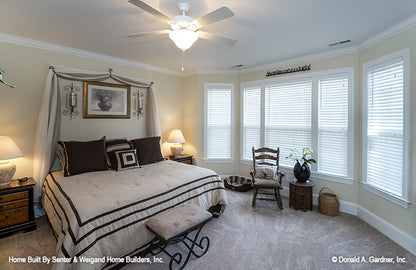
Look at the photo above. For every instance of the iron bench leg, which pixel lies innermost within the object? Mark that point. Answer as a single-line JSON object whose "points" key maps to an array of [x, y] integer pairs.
{"points": [[160, 246]]}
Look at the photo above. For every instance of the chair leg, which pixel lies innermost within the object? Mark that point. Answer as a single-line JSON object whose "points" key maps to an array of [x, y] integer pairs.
{"points": [[254, 197], [278, 198]]}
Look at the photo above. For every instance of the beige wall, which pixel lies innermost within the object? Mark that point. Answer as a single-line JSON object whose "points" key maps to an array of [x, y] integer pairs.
{"points": [[404, 219], [190, 116], [228, 168], [27, 67]]}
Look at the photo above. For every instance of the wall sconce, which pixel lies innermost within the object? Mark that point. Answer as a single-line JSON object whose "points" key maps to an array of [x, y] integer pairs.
{"points": [[71, 100], [138, 104]]}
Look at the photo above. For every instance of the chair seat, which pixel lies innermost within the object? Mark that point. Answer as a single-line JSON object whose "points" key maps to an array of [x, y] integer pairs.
{"points": [[266, 183]]}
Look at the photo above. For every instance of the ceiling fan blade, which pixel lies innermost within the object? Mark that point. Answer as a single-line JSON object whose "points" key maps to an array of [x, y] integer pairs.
{"points": [[214, 16], [151, 10], [150, 33], [217, 38]]}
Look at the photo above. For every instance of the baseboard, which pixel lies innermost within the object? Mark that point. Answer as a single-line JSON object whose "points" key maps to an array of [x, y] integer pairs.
{"points": [[397, 235]]}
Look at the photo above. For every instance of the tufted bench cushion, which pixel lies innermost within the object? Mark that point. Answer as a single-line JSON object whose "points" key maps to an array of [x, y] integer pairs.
{"points": [[177, 220]]}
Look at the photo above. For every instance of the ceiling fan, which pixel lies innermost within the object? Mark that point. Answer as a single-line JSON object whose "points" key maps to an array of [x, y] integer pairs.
{"points": [[185, 30]]}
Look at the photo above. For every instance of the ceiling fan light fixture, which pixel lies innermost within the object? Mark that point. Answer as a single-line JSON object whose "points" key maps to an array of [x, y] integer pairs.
{"points": [[184, 38]]}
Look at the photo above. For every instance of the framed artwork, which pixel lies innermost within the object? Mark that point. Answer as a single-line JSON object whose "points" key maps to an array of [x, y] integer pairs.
{"points": [[106, 100]]}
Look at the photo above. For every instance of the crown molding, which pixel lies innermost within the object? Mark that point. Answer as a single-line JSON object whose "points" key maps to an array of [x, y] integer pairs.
{"points": [[388, 32], [87, 54], [383, 35], [305, 58]]}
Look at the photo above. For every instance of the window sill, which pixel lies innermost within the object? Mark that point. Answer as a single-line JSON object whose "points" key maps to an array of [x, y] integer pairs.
{"points": [[218, 160], [322, 176], [314, 175], [385, 195], [333, 178], [246, 162]]}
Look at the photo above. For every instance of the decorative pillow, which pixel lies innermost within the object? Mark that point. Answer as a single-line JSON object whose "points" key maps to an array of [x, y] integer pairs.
{"points": [[83, 157], [60, 153], [126, 159], [115, 145], [148, 150], [266, 172]]}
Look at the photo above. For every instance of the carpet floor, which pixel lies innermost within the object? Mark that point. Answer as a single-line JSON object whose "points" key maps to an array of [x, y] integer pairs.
{"points": [[263, 237]]}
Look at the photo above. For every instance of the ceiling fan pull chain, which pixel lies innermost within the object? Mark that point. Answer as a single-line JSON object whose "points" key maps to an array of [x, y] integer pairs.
{"points": [[183, 60]]}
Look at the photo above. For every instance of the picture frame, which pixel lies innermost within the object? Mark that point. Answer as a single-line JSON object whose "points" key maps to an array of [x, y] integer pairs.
{"points": [[106, 100]]}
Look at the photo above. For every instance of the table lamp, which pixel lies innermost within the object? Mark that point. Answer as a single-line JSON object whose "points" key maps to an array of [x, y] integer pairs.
{"points": [[8, 150], [176, 138]]}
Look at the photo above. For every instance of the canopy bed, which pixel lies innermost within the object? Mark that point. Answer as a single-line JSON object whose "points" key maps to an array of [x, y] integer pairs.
{"points": [[98, 213]]}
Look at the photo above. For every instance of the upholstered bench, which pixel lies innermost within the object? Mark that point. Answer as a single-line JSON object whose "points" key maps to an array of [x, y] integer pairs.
{"points": [[173, 226]]}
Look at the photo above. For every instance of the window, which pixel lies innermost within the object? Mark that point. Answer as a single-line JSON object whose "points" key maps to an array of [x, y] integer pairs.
{"points": [[313, 110], [333, 125], [288, 117], [218, 122], [385, 126], [251, 120]]}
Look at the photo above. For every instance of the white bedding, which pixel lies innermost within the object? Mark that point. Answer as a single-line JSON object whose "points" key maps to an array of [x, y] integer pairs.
{"points": [[102, 213]]}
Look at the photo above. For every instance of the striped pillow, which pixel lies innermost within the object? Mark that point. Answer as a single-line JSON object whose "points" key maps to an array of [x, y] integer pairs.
{"points": [[126, 159], [61, 156], [115, 145]]}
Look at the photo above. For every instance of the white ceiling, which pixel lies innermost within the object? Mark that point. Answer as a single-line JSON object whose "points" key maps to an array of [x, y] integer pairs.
{"points": [[266, 30]]}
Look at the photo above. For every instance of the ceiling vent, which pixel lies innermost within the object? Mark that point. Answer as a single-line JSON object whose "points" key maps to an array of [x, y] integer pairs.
{"points": [[237, 66], [340, 42]]}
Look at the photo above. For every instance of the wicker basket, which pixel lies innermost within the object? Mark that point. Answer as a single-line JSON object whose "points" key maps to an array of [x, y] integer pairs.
{"points": [[328, 202]]}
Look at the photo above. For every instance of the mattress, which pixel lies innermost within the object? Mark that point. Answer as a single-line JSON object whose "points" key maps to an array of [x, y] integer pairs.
{"points": [[98, 216]]}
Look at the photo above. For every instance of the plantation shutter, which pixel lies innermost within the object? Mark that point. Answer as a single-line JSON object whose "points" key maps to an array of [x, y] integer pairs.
{"points": [[219, 125], [251, 120], [288, 117], [333, 125], [385, 105]]}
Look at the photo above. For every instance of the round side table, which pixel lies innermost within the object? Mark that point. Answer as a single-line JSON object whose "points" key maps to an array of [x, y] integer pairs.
{"points": [[300, 194]]}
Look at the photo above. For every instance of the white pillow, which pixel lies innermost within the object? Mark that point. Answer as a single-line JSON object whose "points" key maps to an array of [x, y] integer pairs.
{"points": [[266, 172]]}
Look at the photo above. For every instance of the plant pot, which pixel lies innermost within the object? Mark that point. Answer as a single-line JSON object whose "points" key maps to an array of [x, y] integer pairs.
{"points": [[302, 172]]}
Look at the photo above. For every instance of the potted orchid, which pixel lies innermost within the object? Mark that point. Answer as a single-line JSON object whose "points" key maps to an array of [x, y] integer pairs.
{"points": [[301, 170]]}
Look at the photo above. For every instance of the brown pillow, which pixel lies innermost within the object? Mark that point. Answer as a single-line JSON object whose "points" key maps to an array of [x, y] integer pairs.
{"points": [[148, 150], [84, 156]]}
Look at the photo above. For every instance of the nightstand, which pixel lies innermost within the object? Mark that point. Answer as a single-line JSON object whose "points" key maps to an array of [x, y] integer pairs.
{"points": [[182, 158], [16, 207]]}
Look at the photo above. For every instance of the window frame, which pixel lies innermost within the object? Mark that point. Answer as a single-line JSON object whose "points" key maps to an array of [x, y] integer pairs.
{"points": [[262, 117], [367, 67], [314, 76], [207, 87], [349, 71]]}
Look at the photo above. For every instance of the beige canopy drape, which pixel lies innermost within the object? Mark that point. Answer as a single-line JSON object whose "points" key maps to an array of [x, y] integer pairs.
{"points": [[47, 133]]}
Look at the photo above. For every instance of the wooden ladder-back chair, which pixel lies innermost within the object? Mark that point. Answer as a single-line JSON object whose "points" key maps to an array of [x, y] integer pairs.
{"points": [[266, 175]]}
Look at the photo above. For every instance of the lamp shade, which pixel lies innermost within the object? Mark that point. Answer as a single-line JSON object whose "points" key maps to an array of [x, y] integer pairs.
{"points": [[176, 136], [183, 38], [9, 149]]}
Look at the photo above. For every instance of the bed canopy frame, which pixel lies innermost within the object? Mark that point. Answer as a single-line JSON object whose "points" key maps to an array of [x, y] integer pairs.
{"points": [[47, 133]]}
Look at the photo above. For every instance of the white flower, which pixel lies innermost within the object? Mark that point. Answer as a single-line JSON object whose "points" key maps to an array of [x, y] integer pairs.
{"points": [[304, 156]]}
